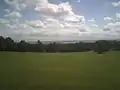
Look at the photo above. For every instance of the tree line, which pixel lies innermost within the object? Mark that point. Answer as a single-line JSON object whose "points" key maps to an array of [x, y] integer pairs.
{"points": [[100, 46]]}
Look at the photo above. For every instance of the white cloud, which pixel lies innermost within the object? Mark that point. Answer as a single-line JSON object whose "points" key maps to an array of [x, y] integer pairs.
{"points": [[13, 3], [16, 4], [74, 19], [113, 24], [13, 15], [35, 24], [11, 26], [4, 21], [116, 4], [54, 10], [94, 25], [34, 2], [92, 20], [57, 20], [60, 17], [53, 31], [53, 24], [60, 11], [51, 20], [115, 27], [118, 15], [22, 6], [108, 18]]}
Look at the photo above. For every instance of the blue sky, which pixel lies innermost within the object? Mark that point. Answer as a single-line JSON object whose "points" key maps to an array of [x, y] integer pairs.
{"points": [[60, 19]]}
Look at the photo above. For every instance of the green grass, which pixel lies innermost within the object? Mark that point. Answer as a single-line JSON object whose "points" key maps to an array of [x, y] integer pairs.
{"points": [[59, 71]]}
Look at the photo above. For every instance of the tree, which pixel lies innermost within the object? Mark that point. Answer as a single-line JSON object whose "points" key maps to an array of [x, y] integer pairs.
{"points": [[2, 44], [22, 46], [10, 45], [101, 46], [39, 46]]}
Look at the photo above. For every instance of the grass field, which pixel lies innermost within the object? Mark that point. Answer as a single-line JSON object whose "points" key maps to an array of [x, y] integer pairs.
{"points": [[59, 71]]}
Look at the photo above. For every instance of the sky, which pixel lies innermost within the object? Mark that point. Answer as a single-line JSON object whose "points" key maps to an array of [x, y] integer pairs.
{"points": [[60, 19]]}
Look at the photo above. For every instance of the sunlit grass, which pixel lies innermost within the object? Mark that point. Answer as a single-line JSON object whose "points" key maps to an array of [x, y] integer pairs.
{"points": [[59, 71]]}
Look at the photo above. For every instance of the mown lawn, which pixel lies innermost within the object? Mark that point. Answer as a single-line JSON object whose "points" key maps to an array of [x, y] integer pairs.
{"points": [[59, 71]]}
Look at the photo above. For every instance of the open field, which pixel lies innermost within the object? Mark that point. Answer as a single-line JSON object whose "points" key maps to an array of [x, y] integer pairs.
{"points": [[59, 71]]}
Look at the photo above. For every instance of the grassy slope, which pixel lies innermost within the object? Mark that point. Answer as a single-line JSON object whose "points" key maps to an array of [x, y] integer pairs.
{"points": [[59, 71]]}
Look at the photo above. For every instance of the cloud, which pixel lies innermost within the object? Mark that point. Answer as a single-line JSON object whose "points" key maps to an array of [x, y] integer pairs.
{"points": [[54, 10], [118, 15], [35, 24], [9, 2], [16, 4], [11, 26], [94, 25], [108, 18], [92, 20], [59, 16], [32, 3], [60, 11], [82, 30], [4, 21], [7, 10], [116, 4], [113, 24], [13, 14], [106, 29], [52, 23], [74, 19], [57, 21], [23, 6], [53, 31], [115, 27], [50, 20]]}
